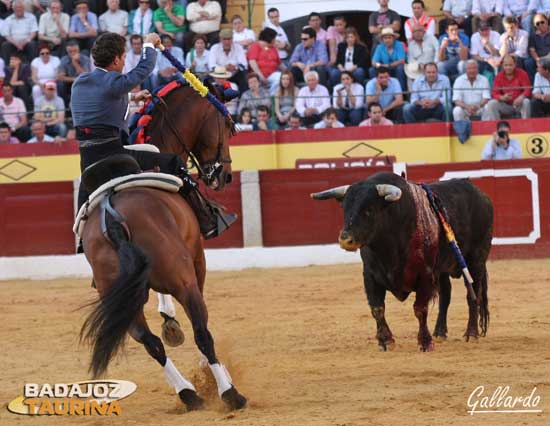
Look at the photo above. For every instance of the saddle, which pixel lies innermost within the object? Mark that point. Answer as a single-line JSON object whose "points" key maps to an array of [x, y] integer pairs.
{"points": [[114, 174]]}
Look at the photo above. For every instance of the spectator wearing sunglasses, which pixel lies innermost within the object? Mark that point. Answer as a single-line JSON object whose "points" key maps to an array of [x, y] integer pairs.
{"points": [[535, 7], [538, 45], [309, 55]]}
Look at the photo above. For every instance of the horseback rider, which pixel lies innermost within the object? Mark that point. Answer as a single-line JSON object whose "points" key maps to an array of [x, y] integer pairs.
{"points": [[99, 104]]}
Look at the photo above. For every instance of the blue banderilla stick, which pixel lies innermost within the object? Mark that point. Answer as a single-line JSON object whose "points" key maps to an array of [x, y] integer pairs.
{"points": [[195, 82]]}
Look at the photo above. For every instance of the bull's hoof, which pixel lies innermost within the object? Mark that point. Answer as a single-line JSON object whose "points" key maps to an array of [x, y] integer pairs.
{"points": [[172, 333], [191, 400], [388, 345], [471, 337], [426, 344], [233, 399], [440, 332]]}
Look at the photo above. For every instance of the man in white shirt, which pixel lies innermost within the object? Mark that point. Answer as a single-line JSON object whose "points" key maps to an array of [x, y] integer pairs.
{"points": [[485, 48], [471, 94], [281, 41], [20, 30], [312, 100], [114, 20], [514, 41], [38, 129], [230, 55], [329, 121], [540, 102], [487, 10], [419, 18], [204, 17], [242, 35], [53, 27], [423, 49]]}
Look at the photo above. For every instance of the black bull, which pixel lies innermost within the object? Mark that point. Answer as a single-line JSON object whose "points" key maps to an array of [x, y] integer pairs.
{"points": [[404, 247]]}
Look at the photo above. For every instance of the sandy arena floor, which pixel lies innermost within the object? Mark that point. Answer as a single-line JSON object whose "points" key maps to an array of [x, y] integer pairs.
{"points": [[300, 345]]}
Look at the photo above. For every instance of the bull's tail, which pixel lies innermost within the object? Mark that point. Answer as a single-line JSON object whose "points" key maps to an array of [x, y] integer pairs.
{"points": [[484, 305], [106, 326]]}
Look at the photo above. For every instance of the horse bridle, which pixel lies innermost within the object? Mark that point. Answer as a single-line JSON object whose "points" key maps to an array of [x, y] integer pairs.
{"points": [[210, 170]]}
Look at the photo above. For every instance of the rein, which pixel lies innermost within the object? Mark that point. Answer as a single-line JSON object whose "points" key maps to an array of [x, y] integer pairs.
{"points": [[211, 169]]}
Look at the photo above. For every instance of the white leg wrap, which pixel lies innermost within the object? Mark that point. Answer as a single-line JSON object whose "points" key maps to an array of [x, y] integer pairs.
{"points": [[166, 305], [223, 379], [174, 377]]}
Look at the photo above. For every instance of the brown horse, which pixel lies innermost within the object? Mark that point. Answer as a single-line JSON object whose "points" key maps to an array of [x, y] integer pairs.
{"points": [[165, 252]]}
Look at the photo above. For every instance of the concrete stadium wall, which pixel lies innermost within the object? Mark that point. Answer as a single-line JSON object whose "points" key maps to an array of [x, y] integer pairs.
{"points": [[276, 210]]}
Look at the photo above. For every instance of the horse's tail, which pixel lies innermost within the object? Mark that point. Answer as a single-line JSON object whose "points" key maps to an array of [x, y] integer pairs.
{"points": [[484, 305], [106, 326]]}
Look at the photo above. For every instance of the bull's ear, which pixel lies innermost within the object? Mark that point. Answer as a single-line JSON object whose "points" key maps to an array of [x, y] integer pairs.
{"points": [[337, 193], [389, 192]]}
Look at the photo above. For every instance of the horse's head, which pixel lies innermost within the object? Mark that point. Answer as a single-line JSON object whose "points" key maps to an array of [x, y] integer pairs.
{"points": [[213, 150], [186, 123]]}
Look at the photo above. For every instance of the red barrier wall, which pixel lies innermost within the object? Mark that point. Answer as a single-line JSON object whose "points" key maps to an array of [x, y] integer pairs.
{"points": [[37, 218]]}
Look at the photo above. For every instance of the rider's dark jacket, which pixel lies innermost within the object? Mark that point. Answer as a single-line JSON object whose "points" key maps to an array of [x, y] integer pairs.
{"points": [[100, 97]]}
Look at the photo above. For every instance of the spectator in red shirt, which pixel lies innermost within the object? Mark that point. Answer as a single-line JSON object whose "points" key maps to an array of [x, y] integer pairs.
{"points": [[263, 58], [511, 92]]}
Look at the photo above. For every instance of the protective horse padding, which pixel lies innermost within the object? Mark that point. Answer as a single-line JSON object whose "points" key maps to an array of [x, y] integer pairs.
{"points": [[162, 181]]}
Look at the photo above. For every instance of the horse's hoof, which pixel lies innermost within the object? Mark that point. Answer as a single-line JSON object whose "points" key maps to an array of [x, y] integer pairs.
{"points": [[440, 339], [191, 400], [172, 333], [233, 399]]}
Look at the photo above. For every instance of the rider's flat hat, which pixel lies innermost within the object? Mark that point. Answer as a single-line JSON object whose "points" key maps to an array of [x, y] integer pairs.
{"points": [[77, 2]]}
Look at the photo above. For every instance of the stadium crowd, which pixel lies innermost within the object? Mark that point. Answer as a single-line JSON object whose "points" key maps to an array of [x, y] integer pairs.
{"points": [[485, 60]]}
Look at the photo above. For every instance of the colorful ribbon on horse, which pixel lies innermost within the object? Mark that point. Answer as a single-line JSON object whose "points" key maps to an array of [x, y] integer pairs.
{"points": [[451, 238], [195, 82]]}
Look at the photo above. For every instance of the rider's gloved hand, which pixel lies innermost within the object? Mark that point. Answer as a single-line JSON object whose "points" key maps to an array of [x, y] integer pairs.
{"points": [[153, 38]]}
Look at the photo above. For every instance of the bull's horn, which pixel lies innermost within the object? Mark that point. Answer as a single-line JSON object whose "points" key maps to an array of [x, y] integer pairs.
{"points": [[337, 193], [389, 192]]}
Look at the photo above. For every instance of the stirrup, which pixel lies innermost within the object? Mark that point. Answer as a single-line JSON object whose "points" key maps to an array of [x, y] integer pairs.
{"points": [[224, 221]]}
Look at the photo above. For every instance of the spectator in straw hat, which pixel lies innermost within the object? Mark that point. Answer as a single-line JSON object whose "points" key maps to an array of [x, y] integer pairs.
{"points": [[390, 54], [231, 55], [221, 76]]}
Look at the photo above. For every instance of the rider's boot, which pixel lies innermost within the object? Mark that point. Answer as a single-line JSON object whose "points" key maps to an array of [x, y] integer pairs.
{"points": [[212, 218]]}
